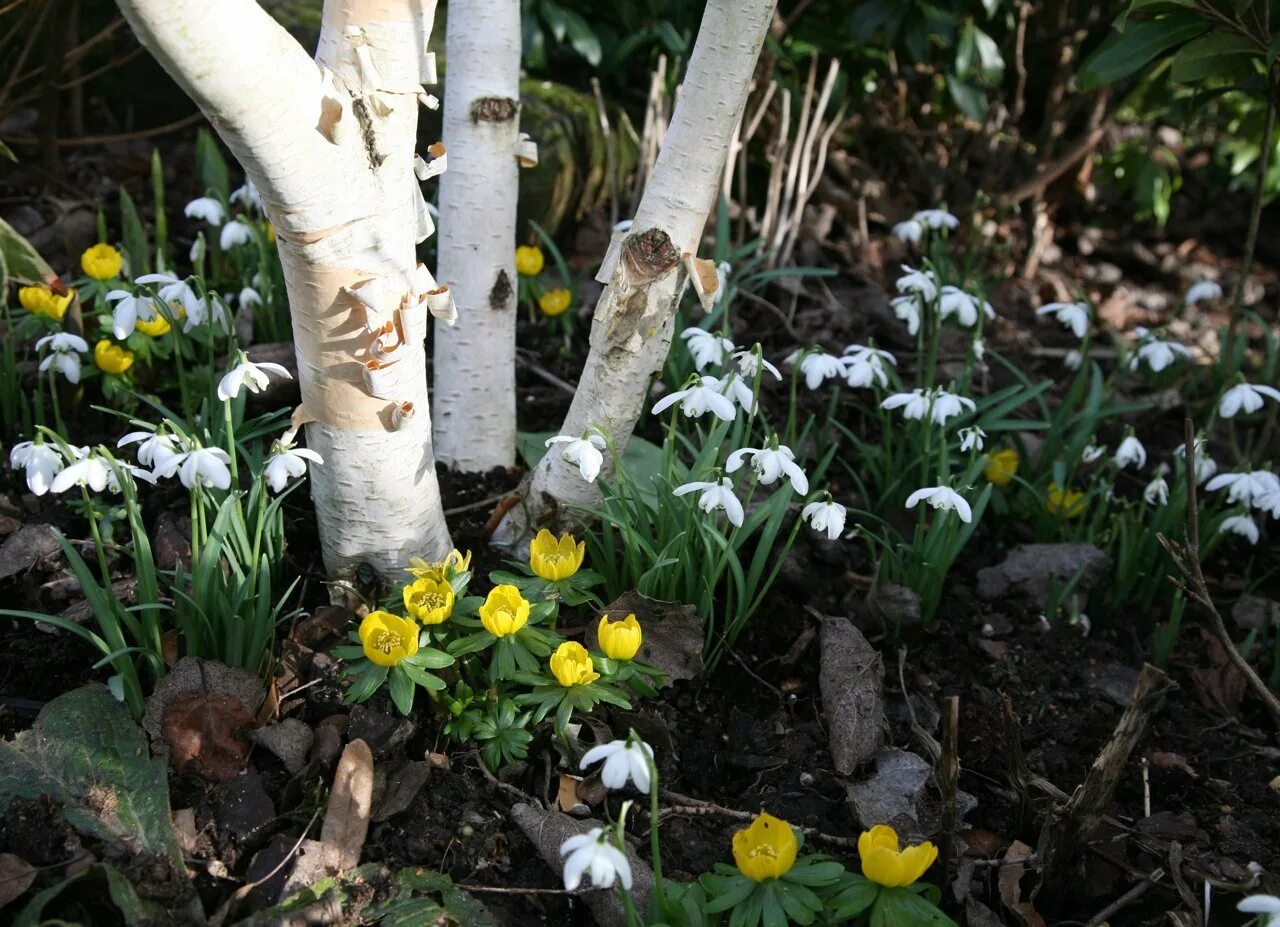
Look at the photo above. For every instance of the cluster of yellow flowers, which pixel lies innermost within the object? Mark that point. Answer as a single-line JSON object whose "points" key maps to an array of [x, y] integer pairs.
{"points": [[42, 300], [1002, 466]]}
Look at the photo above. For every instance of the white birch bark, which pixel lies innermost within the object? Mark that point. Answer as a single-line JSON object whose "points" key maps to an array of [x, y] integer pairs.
{"points": [[474, 395], [330, 145], [645, 271]]}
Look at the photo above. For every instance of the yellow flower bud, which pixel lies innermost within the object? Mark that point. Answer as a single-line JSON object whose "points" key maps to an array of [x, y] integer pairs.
{"points": [[529, 260], [1065, 503], [1001, 466], [619, 639], [554, 302], [440, 570], [572, 666], [101, 262], [884, 864], [40, 300], [765, 850], [388, 638], [504, 611], [112, 358], [155, 328], [429, 600], [552, 559]]}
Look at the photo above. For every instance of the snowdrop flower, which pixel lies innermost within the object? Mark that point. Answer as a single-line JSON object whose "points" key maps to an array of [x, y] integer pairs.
{"points": [[623, 760], [825, 515], [936, 219], [128, 310], [1092, 453], [234, 234], [864, 366], [88, 470], [738, 389], [1200, 291], [947, 405], [1156, 351], [715, 496], [247, 195], [1269, 502], [706, 347], [943, 498], [175, 290], [971, 439], [917, 403], [40, 461], [1072, 359], [1242, 525], [964, 307], [920, 282], [1247, 398], [907, 309], [64, 354], [817, 365], [1130, 452], [584, 451], [769, 464], [206, 209], [1245, 488], [249, 375], [203, 467], [914, 405], [287, 462], [154, 447], [196, 251], [751, 362], [1074, 316], [593, 853], [909, 232], [249, 297], [1204, 464], [1157, 492], [723, 269], [695, 401]]}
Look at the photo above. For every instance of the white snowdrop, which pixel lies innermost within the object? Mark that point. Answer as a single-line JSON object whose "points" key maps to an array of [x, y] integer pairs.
{"points": [[1241, 525], [1074, 316], [943, 498], [964, 306], [1247, 487], [234, 234], [251, 376], [1159, 353], [751, 362], [769, 464], [1202, 290], [1247, 398], [1092, 453], [129, 309], [247, 195], [971, 439], [936, 219], [715, 496], [920, 282], [1130, 453], [623, 760], [40, 461], [948, 405], [1156, 492], [202, 467], [706, 347], [825, 515], [907, 309], [864, 366], [594, 854], [286, 463], [695, 401], [817, 366], [1073, 359], [1205, 465], [88, 470], [910, 231], [64, 354], [586, 452], [154, 447], [206, 209]]}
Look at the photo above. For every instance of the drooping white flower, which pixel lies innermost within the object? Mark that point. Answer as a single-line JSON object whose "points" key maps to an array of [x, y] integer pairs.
{"points": [[234, 234], [769, 464], [936, 219], [1130, 453], [1092, 453], [751, 362], [1247, 398], [697, 400], [253, 377], [1205, 465], [723, 269], [818, 366], [1072, 359], [286, 463], [715, 496], [213, 311], [585, 451], [920, 282], [1269, 502], [943, 498], [1202, 290], [174, 290], [154, 447], [1074, 316], [64, 354], [1247, 487], [196, 251], [825, 515], [907, 308], [914, 405], [88, 470], [971, 439], [963, 306], [623, 760], [910, 231], [40, 461], [947, 405], [206, 209], [864, 366], [739, 389], [1158, 352], [1156, 492], [249, 297], [247, 195], [594, 854], [1242, 525], [204, 467], [129, 309], [706, 347]]}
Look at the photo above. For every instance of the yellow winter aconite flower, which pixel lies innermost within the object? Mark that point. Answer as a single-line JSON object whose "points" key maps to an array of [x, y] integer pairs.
{"points": [[388, 638], [1001, 466], [111, 358], [1065, 503], [429, 600], [554, 302], [529, 260], [884, 864], [552, 559], [40, 300], [441, 570], [619, 639], [572, 666], [504, 611], [766, 849], [155, 328], [101, 262]]}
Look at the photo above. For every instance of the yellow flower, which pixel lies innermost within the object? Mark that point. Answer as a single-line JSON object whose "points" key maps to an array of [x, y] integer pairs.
{"points": [[766, 849], [529, 260], [388, 638], [1066, 503], [504, 611], [1001, 466], [40, 300], [440, 570], [554, 302], [429, 600], [619, 639], [102, 262], [552, 559], [571, 665], [155, 328], [884, 864], [111, 358]]}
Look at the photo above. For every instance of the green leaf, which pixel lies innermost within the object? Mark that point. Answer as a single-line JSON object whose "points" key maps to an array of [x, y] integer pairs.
{"points": [[971, 100], [22, 262], [136, 249], [7, 152], [211, 166], [581, 37], [1125, 53], [1223, 55], [87, 891], [402, 689]]}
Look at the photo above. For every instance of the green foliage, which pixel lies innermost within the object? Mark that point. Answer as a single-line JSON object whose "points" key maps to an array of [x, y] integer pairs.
{"points": [[19, 262]]}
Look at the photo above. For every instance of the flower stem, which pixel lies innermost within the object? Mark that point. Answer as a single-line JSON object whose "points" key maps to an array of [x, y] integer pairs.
{"points": [[655, 849]]}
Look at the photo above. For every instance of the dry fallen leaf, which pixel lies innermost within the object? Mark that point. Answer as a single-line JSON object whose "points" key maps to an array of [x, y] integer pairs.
{"points": [[16, 876], [346, 821], [203, 728], [1010, 879], [567, 796]]}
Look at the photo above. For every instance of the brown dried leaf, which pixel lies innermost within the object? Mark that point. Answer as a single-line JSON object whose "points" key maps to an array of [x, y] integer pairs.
{"points": [[16, 876], [1010, 880], [567, 795], [346, 822], [203, 728]]}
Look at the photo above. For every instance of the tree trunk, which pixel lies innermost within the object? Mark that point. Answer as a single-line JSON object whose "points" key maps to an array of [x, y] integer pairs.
{"points": [[474, 397], [330, 145], [646, 270]]}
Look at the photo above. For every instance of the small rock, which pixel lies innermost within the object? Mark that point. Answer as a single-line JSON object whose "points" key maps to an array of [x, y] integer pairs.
{"points": [[289, 739], [325, 622], [1252, 612], [896, 606], [851, 678], [1115, 682], [266, 861], [892, 793], [25, 548], [403, 785], [1030, 570], [172, 542], [383, 733], [242, 806]]}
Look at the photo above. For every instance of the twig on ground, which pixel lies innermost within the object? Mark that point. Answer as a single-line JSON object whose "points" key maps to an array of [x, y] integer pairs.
{"points": [[948, 773], [1124, 900], [688, 805]]}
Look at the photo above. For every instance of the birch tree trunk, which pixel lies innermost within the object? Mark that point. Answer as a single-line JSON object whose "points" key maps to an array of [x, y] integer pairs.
{"points": [[330, 145], [646, 271], [474, 398]]}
